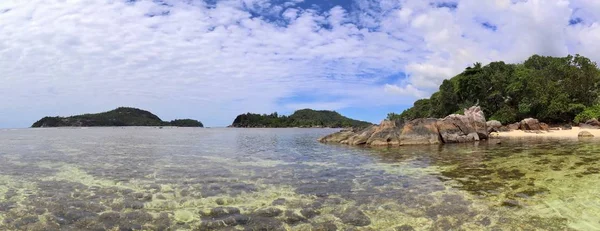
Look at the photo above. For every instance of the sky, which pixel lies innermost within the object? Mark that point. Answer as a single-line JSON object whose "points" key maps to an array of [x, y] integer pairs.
{"points": [[214, 59]]}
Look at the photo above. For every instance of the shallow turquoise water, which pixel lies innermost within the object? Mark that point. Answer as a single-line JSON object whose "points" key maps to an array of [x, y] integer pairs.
{"points": [[283, 179]]}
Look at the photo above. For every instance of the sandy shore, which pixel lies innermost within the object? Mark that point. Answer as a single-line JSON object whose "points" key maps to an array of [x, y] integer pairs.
{"points": [[551, 134]]}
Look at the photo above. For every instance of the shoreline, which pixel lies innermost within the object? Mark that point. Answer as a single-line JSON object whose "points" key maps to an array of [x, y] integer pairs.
{"points": [[573, 133]]}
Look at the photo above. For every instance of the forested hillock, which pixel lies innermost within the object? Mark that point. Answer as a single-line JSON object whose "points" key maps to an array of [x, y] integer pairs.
{"points": [[551, 89]]}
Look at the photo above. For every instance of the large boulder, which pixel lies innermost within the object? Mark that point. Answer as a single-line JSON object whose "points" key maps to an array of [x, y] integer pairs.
{"points": [[593, 122], [463, 128], [385, 134], [530, 124], [420, 131], [585, 134], [513, 126], [493, 126], [477, 119], [455, 129], [588, 126]]}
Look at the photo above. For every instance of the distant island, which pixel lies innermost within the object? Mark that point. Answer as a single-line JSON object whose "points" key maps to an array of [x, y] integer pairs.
{"points": [[301, 118], [122, 116]]}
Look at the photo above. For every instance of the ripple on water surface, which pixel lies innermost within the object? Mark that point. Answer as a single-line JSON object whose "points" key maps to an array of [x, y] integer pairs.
{"points": [[282, 179]]}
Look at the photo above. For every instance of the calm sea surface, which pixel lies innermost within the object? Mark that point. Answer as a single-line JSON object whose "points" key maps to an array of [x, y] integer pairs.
{"points": [[283, 179]]}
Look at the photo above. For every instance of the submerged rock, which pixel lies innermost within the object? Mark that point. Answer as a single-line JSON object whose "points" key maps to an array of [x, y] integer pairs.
{"points": [[292, 217], [404, 228], [326, 226], [264, 223], [220, 212], [268, 212], [354, 217]]}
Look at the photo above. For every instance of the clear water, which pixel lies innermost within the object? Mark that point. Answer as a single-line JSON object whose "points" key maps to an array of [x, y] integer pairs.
{"points": [[283, 179]]}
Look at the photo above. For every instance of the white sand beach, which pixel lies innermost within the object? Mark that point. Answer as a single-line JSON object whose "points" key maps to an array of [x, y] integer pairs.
{"points": [[573, 133]]}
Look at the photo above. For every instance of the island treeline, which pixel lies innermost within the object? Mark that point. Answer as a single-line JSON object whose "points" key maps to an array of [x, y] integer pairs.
{"points": [[122, 116], [551, 89], [300, 118]]}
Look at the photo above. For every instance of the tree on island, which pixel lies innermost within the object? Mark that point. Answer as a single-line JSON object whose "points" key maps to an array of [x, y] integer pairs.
{"points": [[300, 118], [122, 116]]}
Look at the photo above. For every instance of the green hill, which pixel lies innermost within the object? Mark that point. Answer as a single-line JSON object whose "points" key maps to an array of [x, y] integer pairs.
{"points": [[551, 89], [122, 116], [300, 118]]}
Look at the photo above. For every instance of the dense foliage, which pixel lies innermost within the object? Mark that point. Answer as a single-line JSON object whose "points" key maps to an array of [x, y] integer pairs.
{"points": [[122, 116], [300, 118], [551, 89]]}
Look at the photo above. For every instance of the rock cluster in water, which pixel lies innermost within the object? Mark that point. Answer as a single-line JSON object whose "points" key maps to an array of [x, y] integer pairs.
{"points": [[452, 129]]}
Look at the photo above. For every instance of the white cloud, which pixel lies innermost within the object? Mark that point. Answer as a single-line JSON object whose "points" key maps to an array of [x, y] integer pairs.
{"points": [[212, 63]]}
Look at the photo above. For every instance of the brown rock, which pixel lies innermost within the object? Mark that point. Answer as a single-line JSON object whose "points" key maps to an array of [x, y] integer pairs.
{"points": [[493, 126], [530, 124], [593, 122], [585, 134], [514, 126], [337, 137], [463, 128], [420, 131], [588, 126], [363, 136], [544, 126], [386, 134], [477, 118]]}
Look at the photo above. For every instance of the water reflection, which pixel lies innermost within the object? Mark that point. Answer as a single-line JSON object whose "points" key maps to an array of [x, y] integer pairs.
{"points": [[282, 179]]}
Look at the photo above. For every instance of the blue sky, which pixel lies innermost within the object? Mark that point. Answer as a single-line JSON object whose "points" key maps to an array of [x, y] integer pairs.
{"points": [[212, 60]]}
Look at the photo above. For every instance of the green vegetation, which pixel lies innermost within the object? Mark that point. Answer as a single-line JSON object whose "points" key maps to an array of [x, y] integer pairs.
{"points": [[592, 112], [300, 118], [551, 89], [186, 123], [122, 116]]}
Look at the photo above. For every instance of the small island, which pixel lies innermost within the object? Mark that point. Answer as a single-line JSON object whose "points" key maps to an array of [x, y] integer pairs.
{"points": [[305, 118], [122, 116]]}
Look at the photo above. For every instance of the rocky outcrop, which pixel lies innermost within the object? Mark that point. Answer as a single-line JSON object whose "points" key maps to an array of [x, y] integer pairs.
{"points": [[420, 131], [453, 129], [337, 137], [386, 134]]}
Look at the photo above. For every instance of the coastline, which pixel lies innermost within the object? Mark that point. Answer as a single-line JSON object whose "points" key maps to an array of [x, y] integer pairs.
{"points": [[573, 133]]}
